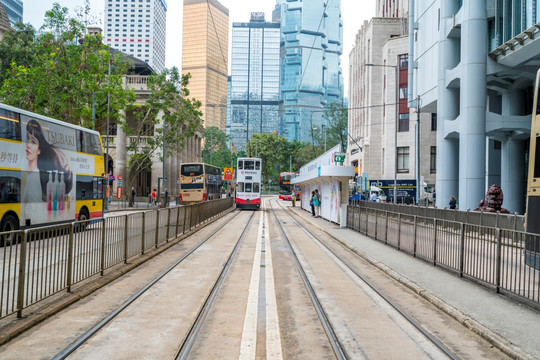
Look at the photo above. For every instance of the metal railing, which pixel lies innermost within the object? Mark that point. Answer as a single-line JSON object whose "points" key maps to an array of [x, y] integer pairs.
{"points": [[489, 255], [39, 262], [498, 220]]}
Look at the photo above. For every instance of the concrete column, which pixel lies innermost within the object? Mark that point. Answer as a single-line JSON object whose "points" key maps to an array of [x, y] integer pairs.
{"points": [[472, 144], [447, 151], [512, 175], [494, 164], [121, 144]]}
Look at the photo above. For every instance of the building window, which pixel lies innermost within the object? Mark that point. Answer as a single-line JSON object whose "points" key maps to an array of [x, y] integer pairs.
{"points": [[403, 159], [433, 160], [403, 123], [404, 61], [433, 121]]}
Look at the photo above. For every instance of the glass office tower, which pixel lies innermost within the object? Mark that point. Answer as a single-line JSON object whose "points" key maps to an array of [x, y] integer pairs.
{"points": [[14, 10], [254, 92], [311, 76]]}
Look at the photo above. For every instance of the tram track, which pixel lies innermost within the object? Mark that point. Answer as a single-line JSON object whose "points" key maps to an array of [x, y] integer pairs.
{"points": [[191, 335], [339, 350]]}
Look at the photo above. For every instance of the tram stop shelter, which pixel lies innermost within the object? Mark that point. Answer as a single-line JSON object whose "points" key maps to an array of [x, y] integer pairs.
{"points": [[331, 178]]}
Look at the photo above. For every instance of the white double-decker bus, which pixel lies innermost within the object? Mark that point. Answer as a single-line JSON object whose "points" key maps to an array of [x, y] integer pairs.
{"points": [[248, 183]]}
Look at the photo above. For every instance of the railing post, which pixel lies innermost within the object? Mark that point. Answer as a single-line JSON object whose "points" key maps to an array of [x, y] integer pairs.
{"points": [[435, 243], [70, 258], [399, 232], [102, 256], [143, 231], [22, 274], [185, 218], [168, 224], [461, 249], [376, 217], [414, 239], [177, 221], [126, 223], [156, 238], [386, 229], [499, 260]]}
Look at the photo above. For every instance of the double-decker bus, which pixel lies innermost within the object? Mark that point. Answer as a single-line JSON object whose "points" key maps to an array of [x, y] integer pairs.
{"points": [[199, 182], [50, 171], [248, 183], [286, 188]]}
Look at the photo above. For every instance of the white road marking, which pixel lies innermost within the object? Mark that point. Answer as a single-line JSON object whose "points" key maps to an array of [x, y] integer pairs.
{"points": [[273, 337], [248, 346]]}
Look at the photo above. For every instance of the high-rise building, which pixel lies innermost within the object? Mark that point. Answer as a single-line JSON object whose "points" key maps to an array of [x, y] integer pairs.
{"points": [[205, 52], [311, 76], [254, 79], [4, 21], [14, 10], [137, 28], [476, 64]]}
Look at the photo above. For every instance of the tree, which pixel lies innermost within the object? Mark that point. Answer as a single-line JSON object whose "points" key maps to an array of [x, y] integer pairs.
{"points": [[336, 116], [215, 149], [168, 114], [59, 75], [273, 151]]}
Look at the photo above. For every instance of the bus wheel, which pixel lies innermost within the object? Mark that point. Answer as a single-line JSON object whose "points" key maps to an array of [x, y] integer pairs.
{"points": [[83, 217], [9, 223]]}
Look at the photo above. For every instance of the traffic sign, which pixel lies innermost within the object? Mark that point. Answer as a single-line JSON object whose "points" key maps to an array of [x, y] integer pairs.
{"points": [[339, 157], [119, 177], [228, 174]]}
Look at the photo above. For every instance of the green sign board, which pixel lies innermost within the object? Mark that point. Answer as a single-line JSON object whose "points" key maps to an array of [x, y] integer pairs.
{"points": [[339, 157]]}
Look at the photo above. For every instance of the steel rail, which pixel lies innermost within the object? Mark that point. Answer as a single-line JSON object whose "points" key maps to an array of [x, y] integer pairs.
{"points": [[193, 333], [414, 323], [87, 335], [337, 347]]}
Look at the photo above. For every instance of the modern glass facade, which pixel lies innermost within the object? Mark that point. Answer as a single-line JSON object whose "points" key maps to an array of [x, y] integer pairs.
{"points": [[14, 10], [254, 93], [509, 18], [311, 76]]}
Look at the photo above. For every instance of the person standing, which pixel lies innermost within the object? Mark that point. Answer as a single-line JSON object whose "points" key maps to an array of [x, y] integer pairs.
{"points": [[132, 196], [317, 203], [154, 197], [166, 197], [453, 202], [311, 202]]}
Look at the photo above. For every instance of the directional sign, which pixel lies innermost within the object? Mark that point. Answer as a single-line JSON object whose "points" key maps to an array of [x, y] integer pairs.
{"points": [[339, 157], [228, 174]]}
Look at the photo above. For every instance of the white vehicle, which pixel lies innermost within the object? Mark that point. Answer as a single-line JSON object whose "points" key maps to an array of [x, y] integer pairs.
{"points": [[248, 183]]}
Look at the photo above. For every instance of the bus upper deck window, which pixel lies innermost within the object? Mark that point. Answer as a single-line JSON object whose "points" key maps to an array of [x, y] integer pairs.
{"points": [[9, 125], [257, 165], [249, 165], [240, 164]]}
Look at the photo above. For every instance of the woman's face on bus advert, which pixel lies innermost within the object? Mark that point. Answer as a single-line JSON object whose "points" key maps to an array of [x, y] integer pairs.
{"points": [[32, 147]]}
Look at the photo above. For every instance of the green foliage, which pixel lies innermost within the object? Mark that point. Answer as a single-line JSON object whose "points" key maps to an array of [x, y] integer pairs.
{"points": [[215, 149], [335, 131], [57, 75]]}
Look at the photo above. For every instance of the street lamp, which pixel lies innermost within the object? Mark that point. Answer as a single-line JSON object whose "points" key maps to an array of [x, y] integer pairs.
{"points": [[396, 68]]}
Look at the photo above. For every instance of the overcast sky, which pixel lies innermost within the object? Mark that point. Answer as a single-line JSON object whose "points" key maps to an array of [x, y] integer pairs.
{"points": [[354, 12]]}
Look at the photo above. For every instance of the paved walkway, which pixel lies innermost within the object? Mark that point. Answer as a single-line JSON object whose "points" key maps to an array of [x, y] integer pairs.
{"points": [[512, 327]]}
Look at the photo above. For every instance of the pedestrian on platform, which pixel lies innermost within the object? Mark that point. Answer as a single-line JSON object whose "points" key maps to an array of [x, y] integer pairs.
{"points": [[374, 196], [312, 204], [154, 202], [317, 203], [453, 202], [132, 196], [166, 197]]}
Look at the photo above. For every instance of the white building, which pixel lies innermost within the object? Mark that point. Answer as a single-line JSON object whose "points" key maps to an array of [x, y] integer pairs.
{"points": [[383, 42], [474, 63], [137, 28]]}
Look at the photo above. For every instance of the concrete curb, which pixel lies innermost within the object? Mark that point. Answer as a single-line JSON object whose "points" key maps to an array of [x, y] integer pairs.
{"points": [[494, 339], [16, 327]]}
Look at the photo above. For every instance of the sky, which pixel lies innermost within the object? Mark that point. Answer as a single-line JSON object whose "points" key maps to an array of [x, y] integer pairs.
{"points": [[354, 12]]}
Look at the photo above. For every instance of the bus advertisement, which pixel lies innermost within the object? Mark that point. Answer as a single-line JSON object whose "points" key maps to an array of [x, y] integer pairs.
{"points": [[285, 186], [199, 182], [248, 183], [50, 171]]}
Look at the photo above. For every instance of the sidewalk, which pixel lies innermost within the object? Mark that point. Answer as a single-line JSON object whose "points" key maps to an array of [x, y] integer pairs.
{"points": [[508, 325]]}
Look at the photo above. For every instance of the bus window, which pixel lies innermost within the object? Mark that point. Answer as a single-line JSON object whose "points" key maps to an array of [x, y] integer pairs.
{"points": [[257, 165], [191, 169], [537, 159], [88, 143], [85, 188], [9, 125], [249, 165], [248, 187], [240, 187], [240, 164], [256, 187], [10, 187]]}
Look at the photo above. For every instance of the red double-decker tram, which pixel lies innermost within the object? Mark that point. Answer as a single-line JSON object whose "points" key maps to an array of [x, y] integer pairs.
{"points": [[286, 188]]}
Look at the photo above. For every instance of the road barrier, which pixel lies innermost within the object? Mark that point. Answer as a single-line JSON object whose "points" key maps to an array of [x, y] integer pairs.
{"points": [[39, 262], [490, 255]]}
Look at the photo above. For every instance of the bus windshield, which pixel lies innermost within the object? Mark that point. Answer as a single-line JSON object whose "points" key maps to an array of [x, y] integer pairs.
{"points": [[191, 169]]}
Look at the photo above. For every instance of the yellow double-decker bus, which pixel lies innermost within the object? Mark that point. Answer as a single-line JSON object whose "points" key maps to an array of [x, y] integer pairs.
{"points": [[50, 171], [199, 182]]}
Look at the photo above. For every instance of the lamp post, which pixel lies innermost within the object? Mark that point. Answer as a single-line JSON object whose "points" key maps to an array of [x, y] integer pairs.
{"points": [[396, 68]]}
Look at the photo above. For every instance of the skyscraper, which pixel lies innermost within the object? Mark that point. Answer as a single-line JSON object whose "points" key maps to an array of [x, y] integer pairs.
{"points": [[205, 51], [137, 28], [254, 79], [14, 10], [311, 76]]}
